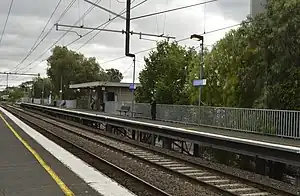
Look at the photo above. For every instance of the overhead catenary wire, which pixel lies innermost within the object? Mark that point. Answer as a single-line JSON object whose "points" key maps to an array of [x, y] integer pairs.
{"points": [[43, 53], [33, 46], [103, 25], [49, 31], [171, 10], [6, 20], [180, 40]]}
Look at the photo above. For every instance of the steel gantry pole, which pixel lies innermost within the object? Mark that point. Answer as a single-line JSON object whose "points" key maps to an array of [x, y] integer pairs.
{"points": [[61, 87], [133, 85], [43, 91], [18, 74], [201, 68], [127, 50]]}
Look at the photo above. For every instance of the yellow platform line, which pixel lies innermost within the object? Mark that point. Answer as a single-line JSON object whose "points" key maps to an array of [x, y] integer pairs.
{"points": [[55, 177]]}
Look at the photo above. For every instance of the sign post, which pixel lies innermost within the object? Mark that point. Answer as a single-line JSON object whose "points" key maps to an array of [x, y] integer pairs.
{"points": [[199, 82], [132, 87]]}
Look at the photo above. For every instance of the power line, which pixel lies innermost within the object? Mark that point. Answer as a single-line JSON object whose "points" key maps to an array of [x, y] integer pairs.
{"points": [[9, 10], [60, 17], [105, 24], [105, 9], [88, 11], [184, 39], [171, 10], [33, 46]]}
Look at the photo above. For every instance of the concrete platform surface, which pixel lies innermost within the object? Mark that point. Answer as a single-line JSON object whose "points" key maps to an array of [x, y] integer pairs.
{"points": [[32, 165]]}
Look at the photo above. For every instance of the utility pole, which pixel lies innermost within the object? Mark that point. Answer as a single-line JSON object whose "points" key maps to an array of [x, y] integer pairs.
{"points": [[43, 89], [32, 99], [133, 84], [7, 81], [127, 49], [61, 87], [127, 38], [199, 82], [201, 69]]}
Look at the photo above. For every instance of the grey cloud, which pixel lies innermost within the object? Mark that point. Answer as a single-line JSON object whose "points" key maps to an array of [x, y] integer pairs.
{"points": [[29, 16], [234, 9]]}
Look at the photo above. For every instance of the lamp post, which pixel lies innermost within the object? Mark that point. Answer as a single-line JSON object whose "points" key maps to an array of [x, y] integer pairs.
{"points": [[43, 90], [50, 98], [200, 38], [61, 87]]}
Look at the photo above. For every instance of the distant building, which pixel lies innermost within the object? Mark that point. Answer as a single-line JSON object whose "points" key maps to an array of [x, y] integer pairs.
{"points": [[103, 93], [108, 91], [257, 7]]}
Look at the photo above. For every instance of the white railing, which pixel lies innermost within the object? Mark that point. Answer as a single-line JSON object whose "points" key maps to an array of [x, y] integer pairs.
{"points": [[283, 123]]}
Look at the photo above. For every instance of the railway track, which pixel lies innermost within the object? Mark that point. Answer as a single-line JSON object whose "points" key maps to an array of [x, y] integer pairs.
{"points": [[107, 167], [223, 183]]}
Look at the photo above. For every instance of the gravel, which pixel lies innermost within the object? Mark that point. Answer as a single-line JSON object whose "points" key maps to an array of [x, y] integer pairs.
{"points": [[264, 180], [164, 180], [216, 166]]}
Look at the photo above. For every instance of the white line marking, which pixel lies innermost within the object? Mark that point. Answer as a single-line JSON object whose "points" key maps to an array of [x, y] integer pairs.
{"points": [[90, 175]]}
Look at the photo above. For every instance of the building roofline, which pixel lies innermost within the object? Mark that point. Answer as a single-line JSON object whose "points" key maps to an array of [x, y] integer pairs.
{"points": [[102, 84]]}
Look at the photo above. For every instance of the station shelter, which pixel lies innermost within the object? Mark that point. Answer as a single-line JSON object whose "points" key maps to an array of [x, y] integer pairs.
{"points": [[101, 92]]}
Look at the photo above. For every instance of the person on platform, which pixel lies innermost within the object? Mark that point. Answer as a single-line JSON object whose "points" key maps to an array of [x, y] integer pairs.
{"points": [[153, 108], [92, 103]]}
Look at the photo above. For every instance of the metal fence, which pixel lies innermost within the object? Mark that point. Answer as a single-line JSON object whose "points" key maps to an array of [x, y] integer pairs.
{"points": [[283, 123]]}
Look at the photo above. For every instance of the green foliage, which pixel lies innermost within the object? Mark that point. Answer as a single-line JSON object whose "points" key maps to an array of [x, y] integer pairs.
{"points": [[15, 94], [114, 75], [68, 67], [257, 65], [166, 74]]}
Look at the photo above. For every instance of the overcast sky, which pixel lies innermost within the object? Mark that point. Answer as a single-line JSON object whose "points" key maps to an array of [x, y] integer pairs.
{"points": [[28, 18]]}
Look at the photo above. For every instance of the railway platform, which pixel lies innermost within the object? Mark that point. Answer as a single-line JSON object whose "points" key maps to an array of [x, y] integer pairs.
{"points": [[209, 130], [30, 164]]}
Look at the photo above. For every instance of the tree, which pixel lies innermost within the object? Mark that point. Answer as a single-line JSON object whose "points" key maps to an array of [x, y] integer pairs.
{"points": [[15, 93], [257, 65], [114, 75], [67, 67], [165, 74]]}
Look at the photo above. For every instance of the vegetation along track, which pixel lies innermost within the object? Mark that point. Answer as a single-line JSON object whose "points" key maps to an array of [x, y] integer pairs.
{"points": [[138, 185], [222, 182]]}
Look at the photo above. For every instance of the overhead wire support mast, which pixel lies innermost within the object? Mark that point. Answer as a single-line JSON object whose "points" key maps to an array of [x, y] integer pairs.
{"points": [[171, 10], [19, 74], [115, 31], [104, 25]]}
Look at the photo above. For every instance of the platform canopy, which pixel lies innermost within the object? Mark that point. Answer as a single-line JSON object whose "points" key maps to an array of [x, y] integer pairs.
{"points": [[102, 84]]}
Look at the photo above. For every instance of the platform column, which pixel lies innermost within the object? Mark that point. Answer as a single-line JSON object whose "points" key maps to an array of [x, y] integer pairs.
{"points": [[167, 143], [196, 150], [90, 99], [276, 170], [153, 138], [109, 128], [133, 134], [260, 165]]}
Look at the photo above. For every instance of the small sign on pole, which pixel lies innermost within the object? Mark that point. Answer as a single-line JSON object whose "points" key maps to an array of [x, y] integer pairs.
{"points": [[199, 82], [132, 87]]}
